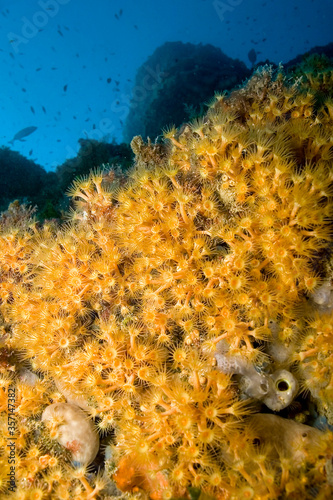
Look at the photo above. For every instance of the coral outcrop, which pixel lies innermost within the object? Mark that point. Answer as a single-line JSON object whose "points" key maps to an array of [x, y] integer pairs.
{"points": [[221, 237]]}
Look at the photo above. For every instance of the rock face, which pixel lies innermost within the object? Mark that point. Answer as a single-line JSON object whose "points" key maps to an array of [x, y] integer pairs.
{"points": [[171, 83]]}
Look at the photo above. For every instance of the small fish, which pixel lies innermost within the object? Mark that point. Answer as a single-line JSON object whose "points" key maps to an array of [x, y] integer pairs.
{"points": [[252, 55], [109, 80], [32, 110], [65, 87], [19, 136], [44, 109], [30, 152]]}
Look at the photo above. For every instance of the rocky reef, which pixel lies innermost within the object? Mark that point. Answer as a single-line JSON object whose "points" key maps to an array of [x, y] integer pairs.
{"points": [[173, 84], [174, 338]]}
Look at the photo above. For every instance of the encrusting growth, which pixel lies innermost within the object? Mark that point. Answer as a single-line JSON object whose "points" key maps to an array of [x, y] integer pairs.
{"points": [[220, 235]]}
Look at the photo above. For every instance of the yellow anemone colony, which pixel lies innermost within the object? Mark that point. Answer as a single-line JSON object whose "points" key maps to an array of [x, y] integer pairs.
{"points": [[161, 306]]}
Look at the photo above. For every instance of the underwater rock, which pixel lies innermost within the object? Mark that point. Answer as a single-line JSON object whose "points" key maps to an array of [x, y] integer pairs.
{"points": [[171, 83]]}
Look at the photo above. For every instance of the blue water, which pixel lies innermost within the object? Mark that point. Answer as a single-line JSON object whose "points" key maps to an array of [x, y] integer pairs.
{"points": [[68, 66]]}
